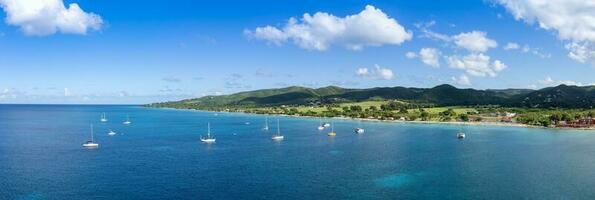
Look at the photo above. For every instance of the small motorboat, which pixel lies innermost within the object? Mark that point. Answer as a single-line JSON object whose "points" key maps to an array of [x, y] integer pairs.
{"points": [[461, 135], [359, 130], [111, 133]]}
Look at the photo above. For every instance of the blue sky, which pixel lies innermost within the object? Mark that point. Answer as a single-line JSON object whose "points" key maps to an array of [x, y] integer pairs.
{"points": [[130, 52]]}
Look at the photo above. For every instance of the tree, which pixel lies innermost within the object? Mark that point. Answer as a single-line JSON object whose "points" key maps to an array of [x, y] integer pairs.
{"points": [[424, 115], [345, 109], [355, 108], [403, 110], [464, 117], [373, 108]]}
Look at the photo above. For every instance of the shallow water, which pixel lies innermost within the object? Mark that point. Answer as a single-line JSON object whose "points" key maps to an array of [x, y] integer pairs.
{"points": [[159, 156]]}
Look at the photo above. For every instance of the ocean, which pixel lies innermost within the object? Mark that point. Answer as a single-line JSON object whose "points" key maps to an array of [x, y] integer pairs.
{"points": [[160, 156]]}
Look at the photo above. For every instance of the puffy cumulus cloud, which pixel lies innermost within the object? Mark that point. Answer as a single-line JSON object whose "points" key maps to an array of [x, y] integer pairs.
{"points": [[475, 41], [572, 21], [376, 73], [461, 80], [370, 27], [362, 72], [476, 64], [430, 56], [46, 17]]}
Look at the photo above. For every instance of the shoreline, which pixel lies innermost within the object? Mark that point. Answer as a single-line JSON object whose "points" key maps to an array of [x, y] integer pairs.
{"points": [[496, 124]]}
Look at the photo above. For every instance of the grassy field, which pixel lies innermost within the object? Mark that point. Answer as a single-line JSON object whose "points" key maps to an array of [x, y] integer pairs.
{"points": [[364, 105], [368, 104], [458, 110]]}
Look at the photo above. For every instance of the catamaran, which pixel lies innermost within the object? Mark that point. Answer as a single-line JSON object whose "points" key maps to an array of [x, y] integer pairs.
{"points": [[127, 120], [278, 136], [111, 133], [209, 139], [90, 143], [266, 124], [103, 118], [332, 133]]}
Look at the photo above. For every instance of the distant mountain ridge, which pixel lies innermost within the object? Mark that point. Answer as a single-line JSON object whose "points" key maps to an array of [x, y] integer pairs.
{"points": [[563, 96]]}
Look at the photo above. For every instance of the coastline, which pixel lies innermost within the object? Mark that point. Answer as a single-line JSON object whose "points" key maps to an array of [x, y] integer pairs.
{"points": [[496, 124]]}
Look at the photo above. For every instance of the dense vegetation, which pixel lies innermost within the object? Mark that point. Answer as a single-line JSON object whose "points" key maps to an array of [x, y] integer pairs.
{"points": [[543, 107]]}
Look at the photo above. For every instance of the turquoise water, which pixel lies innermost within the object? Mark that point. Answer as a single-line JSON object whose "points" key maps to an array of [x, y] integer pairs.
{"points": [[159, 156]]}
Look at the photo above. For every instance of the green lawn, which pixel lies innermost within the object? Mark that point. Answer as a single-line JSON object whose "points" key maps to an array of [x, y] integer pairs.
{"points": [[458, 110]]}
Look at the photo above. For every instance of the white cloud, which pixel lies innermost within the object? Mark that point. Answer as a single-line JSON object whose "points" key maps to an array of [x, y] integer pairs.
{"points": [[376, 73], [427, 33], [430, 56], [461, 80], [46, 17], [548, 81], [526, 49], [385, 73], [476, 64], [475, 41], [7, 94], [411, 55], [581, 52], [511, 46], [571, 20], [362, 72], [370, 27]]}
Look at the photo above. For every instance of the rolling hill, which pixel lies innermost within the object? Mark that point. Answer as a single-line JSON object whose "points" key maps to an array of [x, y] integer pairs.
{"points": [[442, 95]]}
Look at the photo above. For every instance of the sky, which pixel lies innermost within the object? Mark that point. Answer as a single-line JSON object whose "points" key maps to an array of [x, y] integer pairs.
{"points": [[126, 52]]}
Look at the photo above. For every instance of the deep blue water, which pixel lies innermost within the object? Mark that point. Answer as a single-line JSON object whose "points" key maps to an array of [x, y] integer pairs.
{"points": [[159, 156]]}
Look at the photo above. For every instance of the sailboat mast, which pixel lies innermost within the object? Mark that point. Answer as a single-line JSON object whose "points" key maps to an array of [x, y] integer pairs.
{"points": [[278, 129], [91, 132], [209, 129]]}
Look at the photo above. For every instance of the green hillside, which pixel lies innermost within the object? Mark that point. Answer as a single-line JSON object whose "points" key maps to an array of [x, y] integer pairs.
{"points": [[562, 96]]}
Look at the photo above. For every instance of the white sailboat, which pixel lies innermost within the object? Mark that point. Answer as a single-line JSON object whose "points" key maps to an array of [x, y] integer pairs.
{"points": [[111, 133], [266, 124], [209, 139], [326, 125], [332, 133], [278, 136], [103, 118], [127, 120], [90, 143], [320, 127]]}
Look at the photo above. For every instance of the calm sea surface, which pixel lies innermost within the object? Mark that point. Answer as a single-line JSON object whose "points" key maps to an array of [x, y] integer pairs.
{"points": [[159, 156]]}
